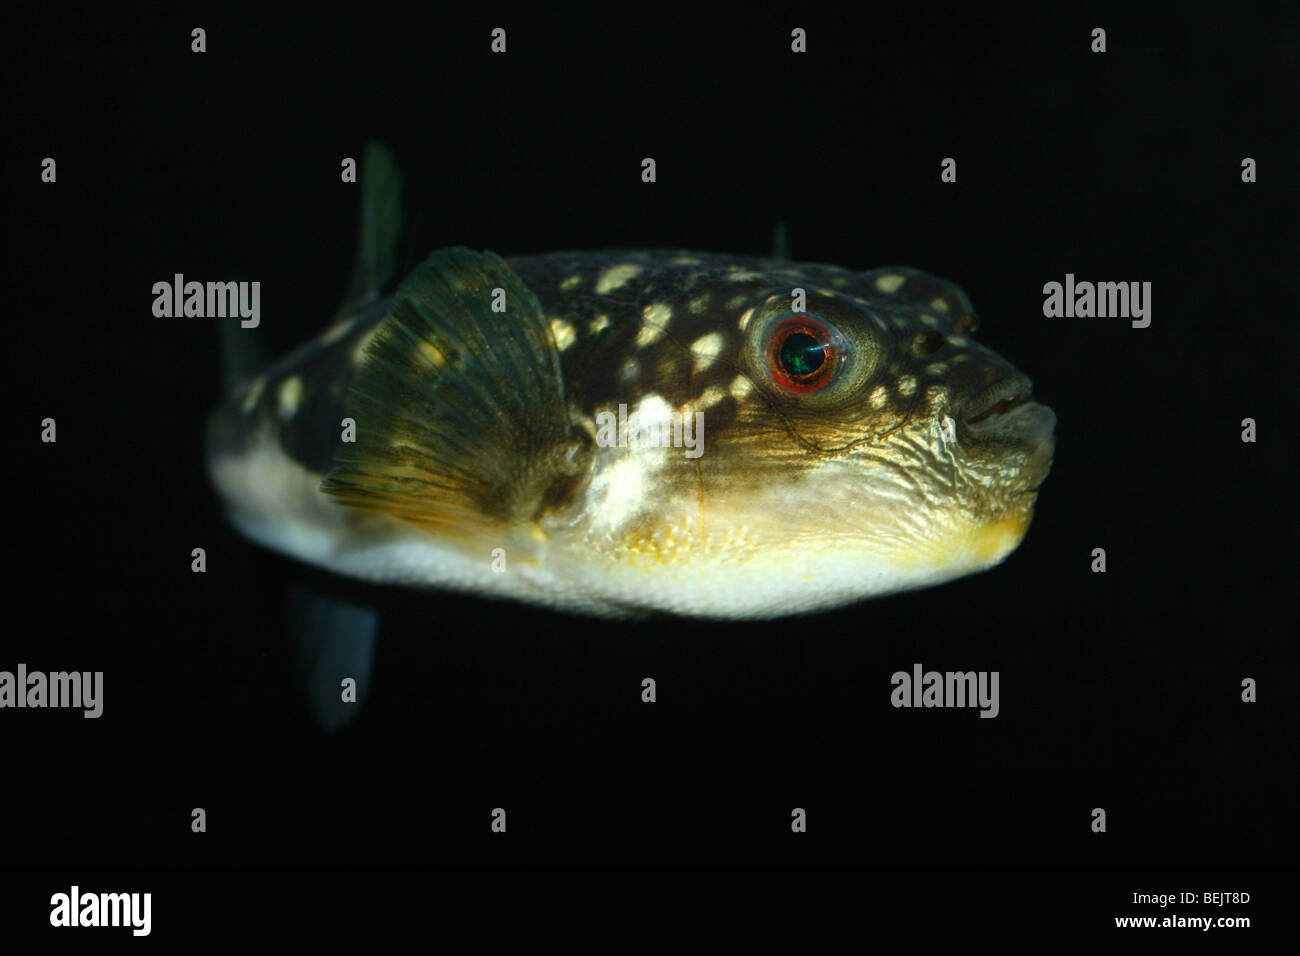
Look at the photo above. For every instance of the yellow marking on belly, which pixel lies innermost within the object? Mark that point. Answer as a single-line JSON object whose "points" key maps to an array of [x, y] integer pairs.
{"points": [[970, 545]]}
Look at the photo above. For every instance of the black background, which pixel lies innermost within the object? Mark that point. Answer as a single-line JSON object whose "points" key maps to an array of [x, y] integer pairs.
{"points": [[1119, 690]]}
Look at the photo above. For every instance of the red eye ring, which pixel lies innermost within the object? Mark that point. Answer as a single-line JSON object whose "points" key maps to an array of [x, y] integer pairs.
{"points": [[801, 354]]}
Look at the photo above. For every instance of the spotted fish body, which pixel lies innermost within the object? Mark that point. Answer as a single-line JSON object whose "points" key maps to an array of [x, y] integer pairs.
{"points": [[809, 436], [909, 455]]}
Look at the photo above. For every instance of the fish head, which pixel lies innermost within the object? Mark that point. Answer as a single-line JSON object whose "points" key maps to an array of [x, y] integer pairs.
{"points": [[854, 441]]}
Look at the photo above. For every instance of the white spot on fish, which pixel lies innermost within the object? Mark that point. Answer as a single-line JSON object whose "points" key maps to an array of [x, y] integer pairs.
{"points": [[958, 340], [937, 368], [621, 489], [929, 320], [571, 282], [684, 261], [252, 395], [359, 350], [336, 332], [741, 274], [890, 283], [653, 317], [697, 306], [290, 396], [599, 324], [907, 384], [735, 302], [563, 332], [939, 305], [630, 371], [710, 397], [706, 349], [616, 277], [879, 397], [745, 317], [655, 416], [740, 387]]}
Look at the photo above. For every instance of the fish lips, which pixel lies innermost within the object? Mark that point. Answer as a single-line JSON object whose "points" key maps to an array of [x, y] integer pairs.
{"points": [[1007, 413]]}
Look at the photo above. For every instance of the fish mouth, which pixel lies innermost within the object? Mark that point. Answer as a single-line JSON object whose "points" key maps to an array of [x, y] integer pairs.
{"points": [[1001, 399], [1000, 407], [1008, 410]]}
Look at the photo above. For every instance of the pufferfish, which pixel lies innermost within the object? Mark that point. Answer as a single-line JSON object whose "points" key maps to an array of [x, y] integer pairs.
{"points": [[624, 433]]}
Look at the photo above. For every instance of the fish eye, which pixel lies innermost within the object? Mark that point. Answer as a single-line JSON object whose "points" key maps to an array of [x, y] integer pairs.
{"points": [[802, 354]]}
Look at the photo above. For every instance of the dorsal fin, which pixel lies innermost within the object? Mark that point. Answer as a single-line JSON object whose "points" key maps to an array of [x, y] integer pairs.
{"points": [[243, 352], [380, 225], [781, 242], [460, 410]]}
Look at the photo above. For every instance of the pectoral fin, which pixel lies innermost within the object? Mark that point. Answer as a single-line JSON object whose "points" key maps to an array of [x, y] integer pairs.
{"points": [[459, 404]]}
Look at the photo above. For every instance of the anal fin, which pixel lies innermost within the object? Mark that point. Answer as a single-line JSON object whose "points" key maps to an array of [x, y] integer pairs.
{"points": [[336, 642]]}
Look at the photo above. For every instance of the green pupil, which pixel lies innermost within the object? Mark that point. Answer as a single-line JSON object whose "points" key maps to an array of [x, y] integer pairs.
{"points": [[801, 354]]}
